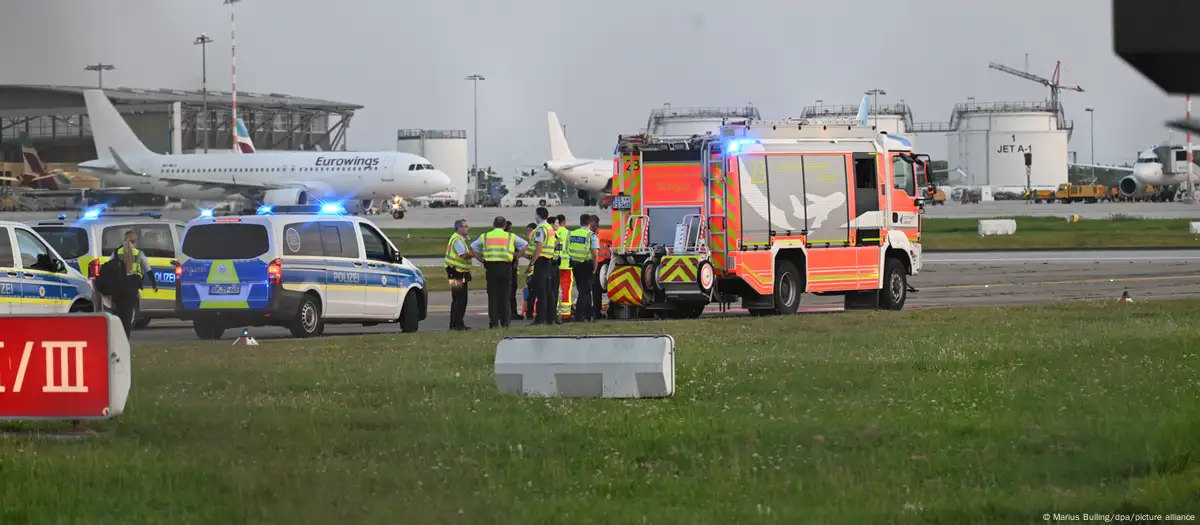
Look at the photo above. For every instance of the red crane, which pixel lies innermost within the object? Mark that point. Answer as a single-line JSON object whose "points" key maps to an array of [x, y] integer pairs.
{"points": [[1052, 83]]}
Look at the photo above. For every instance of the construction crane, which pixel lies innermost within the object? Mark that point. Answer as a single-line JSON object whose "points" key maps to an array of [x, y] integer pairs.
{"points": [[1051, 83]]}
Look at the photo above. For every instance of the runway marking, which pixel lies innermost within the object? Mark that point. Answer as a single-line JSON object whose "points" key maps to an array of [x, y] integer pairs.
{"points": [[1075, 281]]}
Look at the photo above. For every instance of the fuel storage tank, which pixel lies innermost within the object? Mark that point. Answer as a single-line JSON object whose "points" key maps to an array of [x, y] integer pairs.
{"points": [[670, 121], [446, 149], [989, 143]]}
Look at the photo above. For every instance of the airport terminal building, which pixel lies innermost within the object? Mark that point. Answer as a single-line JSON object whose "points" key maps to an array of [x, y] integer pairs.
{"points": [[167, 120]]}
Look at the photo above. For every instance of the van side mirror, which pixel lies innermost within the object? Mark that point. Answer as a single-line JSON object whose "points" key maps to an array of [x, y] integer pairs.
{"points": [[396, 257], [59, 267]]}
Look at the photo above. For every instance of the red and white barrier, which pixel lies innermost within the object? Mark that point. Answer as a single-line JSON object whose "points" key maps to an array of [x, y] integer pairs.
{"points": [[63, 367]]}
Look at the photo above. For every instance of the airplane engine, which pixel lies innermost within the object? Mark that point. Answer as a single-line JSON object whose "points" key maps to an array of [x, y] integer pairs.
{"points": [[287, 196], [1130, 187]]}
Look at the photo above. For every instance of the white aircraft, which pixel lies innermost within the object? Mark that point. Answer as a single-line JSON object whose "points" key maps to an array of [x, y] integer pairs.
{"points": [[1162, 167], [588, 175], [269, 178]]}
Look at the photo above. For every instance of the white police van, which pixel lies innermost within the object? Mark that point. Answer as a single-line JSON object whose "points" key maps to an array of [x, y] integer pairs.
{"points": [[90, 239], [299, 267], [34, 279]]}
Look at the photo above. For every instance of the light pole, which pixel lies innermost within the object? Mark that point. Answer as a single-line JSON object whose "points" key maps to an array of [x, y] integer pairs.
{"points": [[475, 78], [233, 75], [1092, 135], [100, 68], [875, 117], [203, 41]]}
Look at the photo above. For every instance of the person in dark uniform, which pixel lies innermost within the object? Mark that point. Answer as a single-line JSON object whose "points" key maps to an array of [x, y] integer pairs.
{"points": [[498, 250], [529, 298], [458, 271], [540, 288], [598, 291], [512, 303], [583, 249]]}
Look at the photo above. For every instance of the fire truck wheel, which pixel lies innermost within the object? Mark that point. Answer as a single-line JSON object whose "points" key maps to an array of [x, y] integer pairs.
{"points": [[895, 285], [649, 277], [787, 288]]}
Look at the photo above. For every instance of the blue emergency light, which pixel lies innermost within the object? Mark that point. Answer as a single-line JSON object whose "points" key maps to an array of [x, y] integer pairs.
{"points": [[91, 215], [264, 210], [206, 213], [332, 209], [62, 216], [735, 145]]}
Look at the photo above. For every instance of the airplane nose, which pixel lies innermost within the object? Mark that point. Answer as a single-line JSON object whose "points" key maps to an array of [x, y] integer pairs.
{"points": [[441, 181]]}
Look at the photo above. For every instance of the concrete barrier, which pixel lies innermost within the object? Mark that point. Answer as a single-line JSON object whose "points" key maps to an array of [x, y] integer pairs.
{"points": [[611, 366], [997, 227], [1194, 228]]}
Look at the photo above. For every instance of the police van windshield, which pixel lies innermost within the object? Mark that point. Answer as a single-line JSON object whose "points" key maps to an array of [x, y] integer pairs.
{"points": [[69, 242], [226, 241]]}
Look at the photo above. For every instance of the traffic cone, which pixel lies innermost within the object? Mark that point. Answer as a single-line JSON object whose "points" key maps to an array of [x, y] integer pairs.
{"points": [[1125, 297], [245, 339]]}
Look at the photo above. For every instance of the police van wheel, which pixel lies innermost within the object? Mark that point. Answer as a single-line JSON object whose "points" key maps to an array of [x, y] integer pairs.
{"points": [[208, 329], [140, 323], [410, 317], [308, 322]]}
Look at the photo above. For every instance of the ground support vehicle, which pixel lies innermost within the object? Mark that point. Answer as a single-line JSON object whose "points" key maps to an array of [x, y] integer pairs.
{"points": [[1090, 193], [780, 208]]}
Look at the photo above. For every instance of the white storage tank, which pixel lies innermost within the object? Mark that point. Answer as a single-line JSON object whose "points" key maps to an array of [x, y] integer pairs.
{"points": [[672, 122], [893, 119], [989, 142], [446, 149]]}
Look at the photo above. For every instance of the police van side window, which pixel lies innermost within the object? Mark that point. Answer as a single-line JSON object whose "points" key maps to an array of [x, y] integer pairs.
{"points": [[374, 244], [334, 239], [153, 239], [179, 233], [302, 238], [6, 251], [34, 254]]}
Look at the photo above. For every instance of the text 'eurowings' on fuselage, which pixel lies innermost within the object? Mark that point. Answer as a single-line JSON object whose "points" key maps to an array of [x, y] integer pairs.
{"points": [[271, 177]]}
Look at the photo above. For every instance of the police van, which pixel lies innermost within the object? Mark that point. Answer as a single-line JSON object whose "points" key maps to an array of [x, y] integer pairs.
{"points": [[34, 278], [298, 267], [89, 240]]}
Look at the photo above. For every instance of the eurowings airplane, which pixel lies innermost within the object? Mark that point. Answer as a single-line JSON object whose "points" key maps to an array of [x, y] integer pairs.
{"points": [[270, 178], [1161, 167], [244, 144]]}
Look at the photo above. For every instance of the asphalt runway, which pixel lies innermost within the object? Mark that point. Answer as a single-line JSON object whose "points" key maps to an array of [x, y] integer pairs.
{"points": [[482, 217], [948, 280]]}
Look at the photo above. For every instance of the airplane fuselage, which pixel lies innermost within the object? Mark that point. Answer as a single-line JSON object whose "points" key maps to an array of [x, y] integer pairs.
{"points": [[592, 177], [323, 174]]}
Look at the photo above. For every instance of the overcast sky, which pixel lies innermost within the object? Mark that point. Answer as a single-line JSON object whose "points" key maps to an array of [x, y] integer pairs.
{"points": [[601, 65]]}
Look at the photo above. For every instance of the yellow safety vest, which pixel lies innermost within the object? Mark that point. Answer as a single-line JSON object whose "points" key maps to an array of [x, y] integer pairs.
{"points": [[498, 246], [137, 260], [549, 240], [452, 258], [580, 245], [562, 237]]}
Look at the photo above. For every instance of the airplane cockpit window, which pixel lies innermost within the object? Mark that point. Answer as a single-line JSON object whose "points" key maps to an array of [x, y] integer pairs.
{"points": [[412, 167], [429, 166]]}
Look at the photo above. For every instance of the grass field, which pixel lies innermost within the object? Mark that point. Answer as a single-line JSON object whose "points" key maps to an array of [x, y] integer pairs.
{"points": [[932, 416], [942, 234]]}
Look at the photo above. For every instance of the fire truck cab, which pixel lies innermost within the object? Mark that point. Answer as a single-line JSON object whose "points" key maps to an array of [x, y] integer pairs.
{"points": [[763, 212]]}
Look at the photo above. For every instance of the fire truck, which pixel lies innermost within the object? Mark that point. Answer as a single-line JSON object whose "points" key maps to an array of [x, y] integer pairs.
{"points": [[763, 211]]}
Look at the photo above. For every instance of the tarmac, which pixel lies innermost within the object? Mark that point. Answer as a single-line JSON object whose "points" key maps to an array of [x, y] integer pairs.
{"points": [[948, 280], [482, 217]]}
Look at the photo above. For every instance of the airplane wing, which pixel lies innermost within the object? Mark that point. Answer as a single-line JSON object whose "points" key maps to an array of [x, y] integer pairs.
{"points": [[1100, 167]]}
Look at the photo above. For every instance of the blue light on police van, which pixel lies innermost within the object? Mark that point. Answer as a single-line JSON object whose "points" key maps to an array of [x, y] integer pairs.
{"points": [[90, 215], [264, 210], [62, 216], [206, 213], [332, 209]]}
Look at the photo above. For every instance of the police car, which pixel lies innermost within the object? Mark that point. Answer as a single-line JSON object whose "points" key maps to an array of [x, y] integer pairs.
{"points": [[34, 279], [299, 267], [90, 239]]}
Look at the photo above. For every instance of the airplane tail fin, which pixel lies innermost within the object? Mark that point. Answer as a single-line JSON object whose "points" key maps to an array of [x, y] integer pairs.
{"points": [[863, 109], [245, 145], [559, 150], [109, 129], [36, 174]]}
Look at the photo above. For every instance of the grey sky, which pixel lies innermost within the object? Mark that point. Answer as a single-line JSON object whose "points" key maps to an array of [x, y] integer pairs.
{"points": [[601, 65]]}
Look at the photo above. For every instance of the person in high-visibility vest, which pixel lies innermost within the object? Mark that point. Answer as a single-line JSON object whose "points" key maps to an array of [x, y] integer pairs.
{"points": [[583, 248], [544, 245], [458, 271], [566, 281], [136, 267], [499, 250]]}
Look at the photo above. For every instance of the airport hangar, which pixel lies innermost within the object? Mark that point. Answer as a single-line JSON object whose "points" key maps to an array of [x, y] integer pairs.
{"points": [[167, 121]]}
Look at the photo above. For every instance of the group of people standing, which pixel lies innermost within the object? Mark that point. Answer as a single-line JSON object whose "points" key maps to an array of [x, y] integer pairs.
{"points": [[560, 259]]}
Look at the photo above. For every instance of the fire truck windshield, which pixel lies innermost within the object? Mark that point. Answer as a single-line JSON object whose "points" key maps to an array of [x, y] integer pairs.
{"points": [[904, 179]]}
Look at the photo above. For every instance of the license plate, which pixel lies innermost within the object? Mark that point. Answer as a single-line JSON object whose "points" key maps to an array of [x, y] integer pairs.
{"points": [[225, 289], [622, 202]]}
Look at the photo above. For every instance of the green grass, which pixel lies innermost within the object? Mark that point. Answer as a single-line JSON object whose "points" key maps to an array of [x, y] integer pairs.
{"points": [[942, 234], [1056, 232], [932, 416]]}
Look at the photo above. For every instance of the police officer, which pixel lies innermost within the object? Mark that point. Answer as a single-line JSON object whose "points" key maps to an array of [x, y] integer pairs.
{"points": [[458, 271], [512, 300], [544, 244], [529, 298], [598, 292], [583, 249], [136, 268], [498, 249], [565, 282]]}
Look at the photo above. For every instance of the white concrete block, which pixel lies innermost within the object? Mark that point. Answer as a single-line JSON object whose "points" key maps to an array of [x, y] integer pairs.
{"points": [[610, 366], [1194, 228], [997, 227]]}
